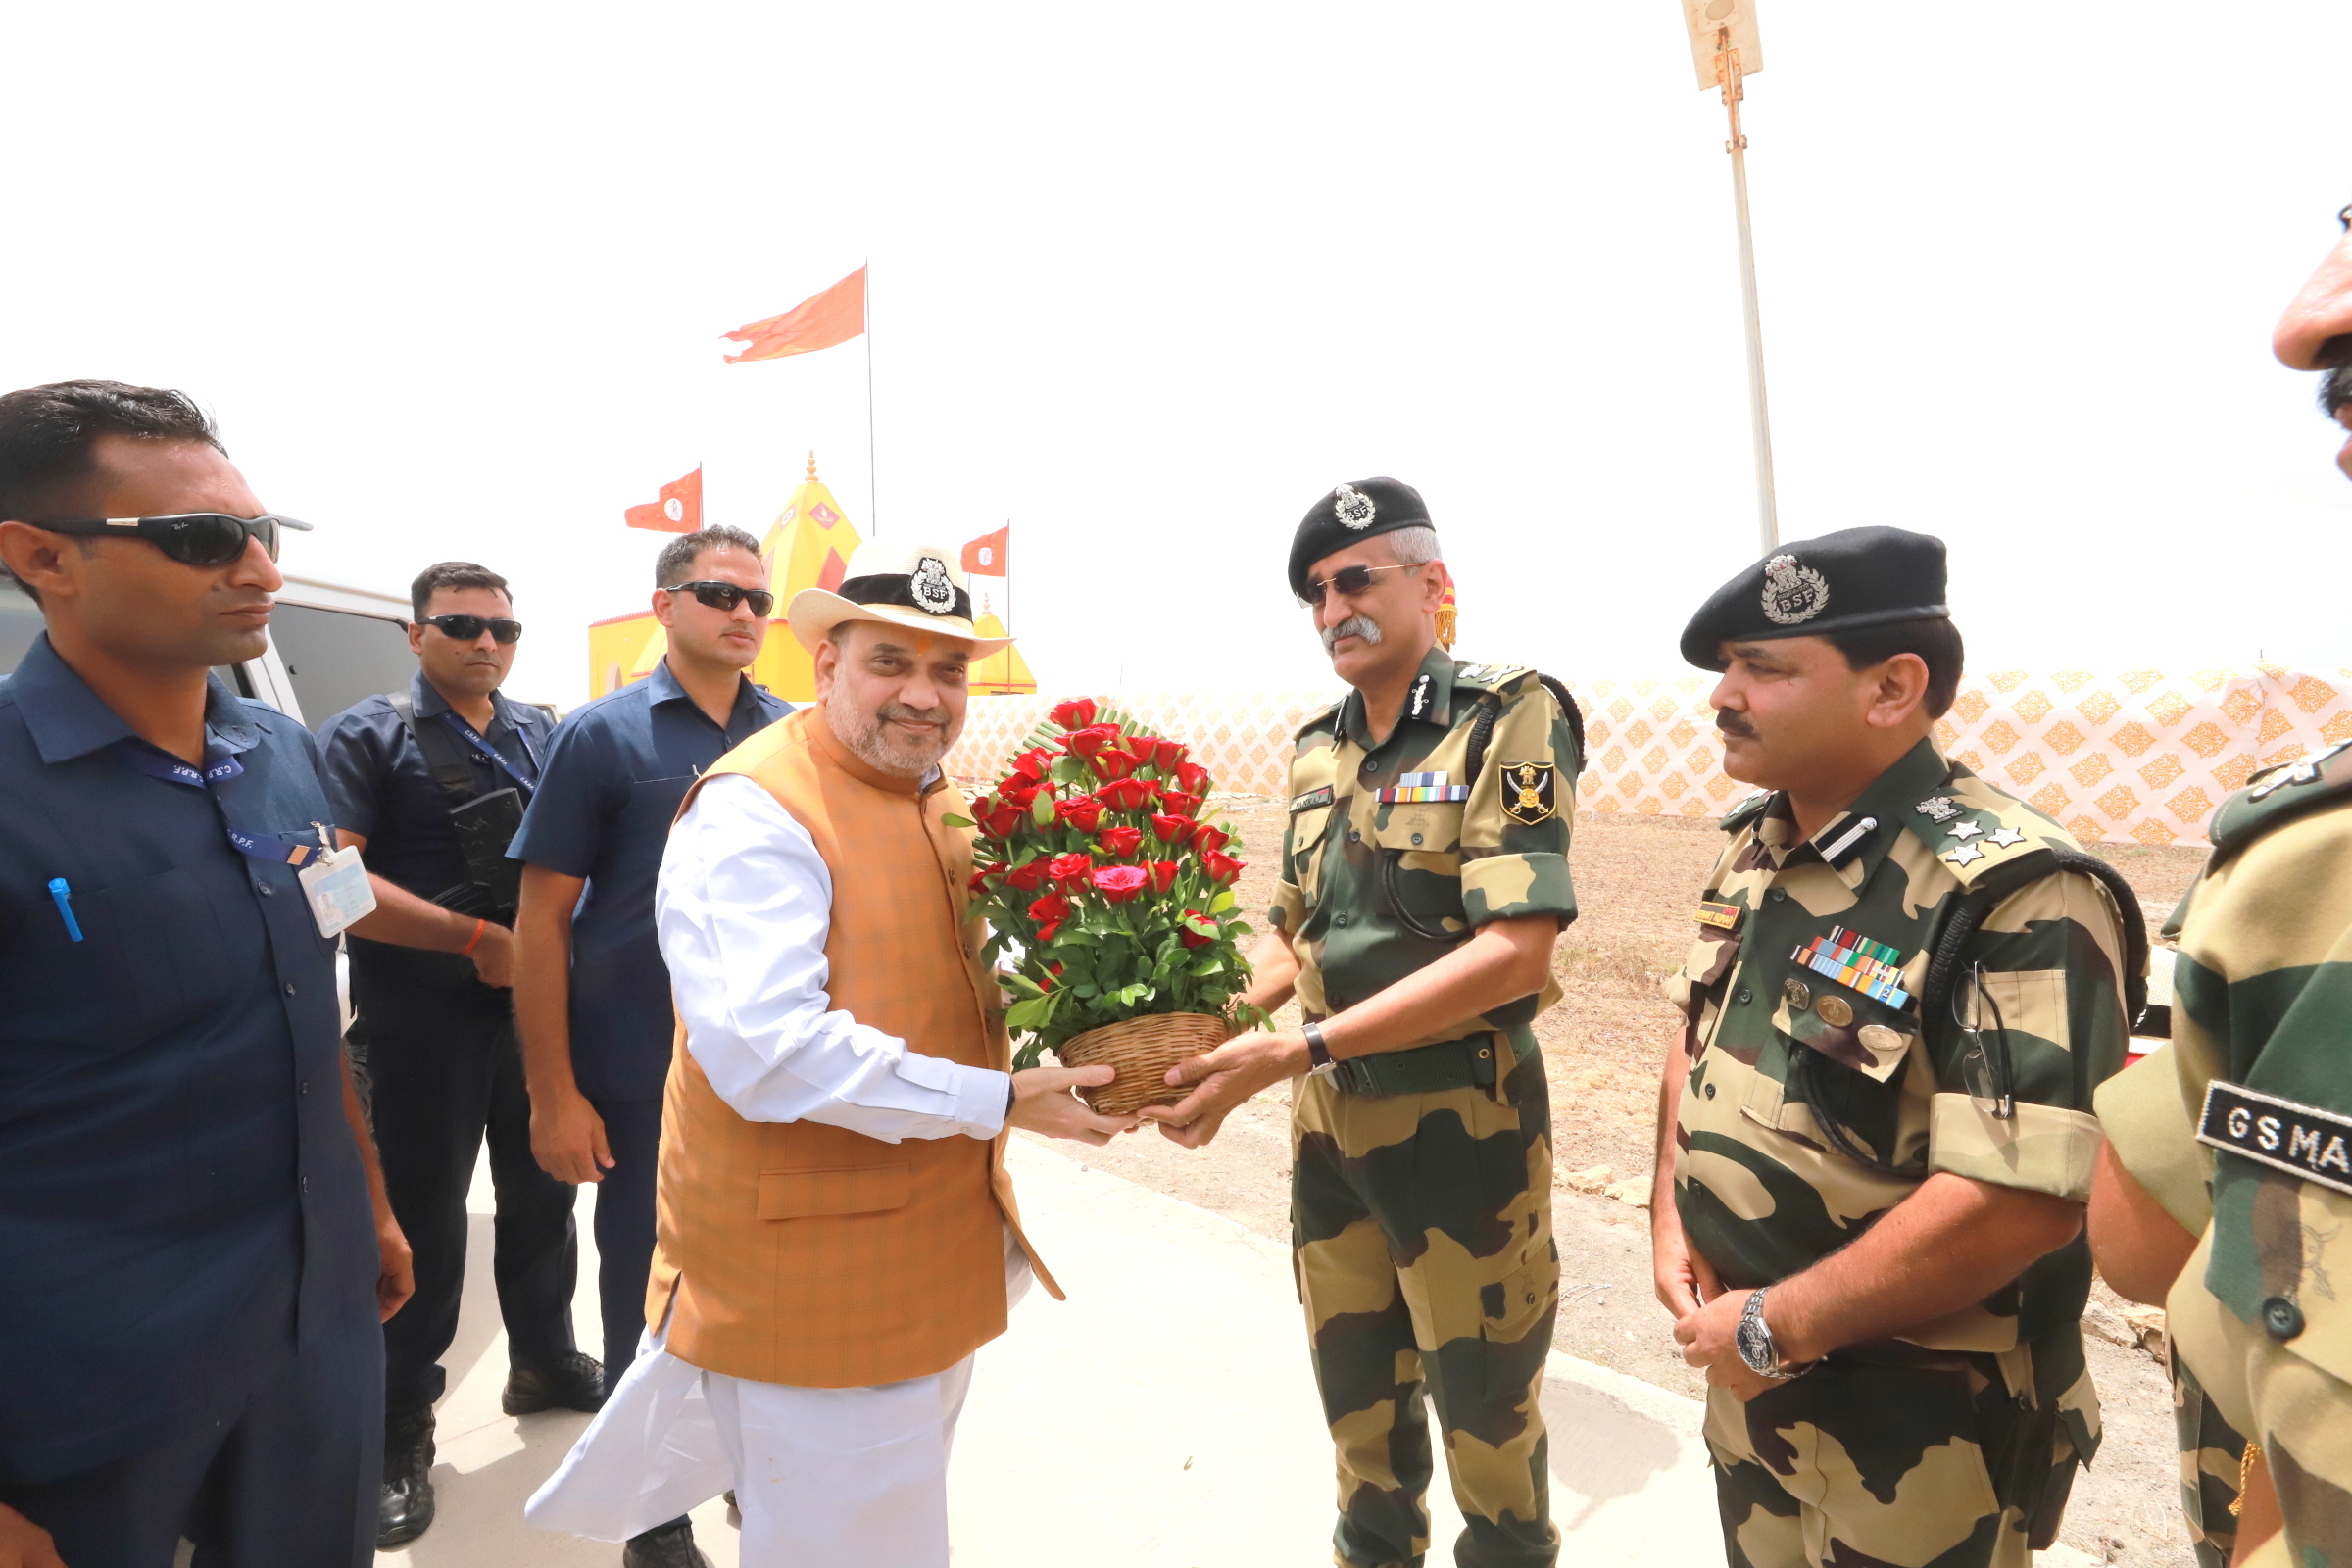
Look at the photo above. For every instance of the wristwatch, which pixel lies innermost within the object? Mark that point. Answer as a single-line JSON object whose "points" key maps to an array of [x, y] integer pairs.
{"points": [[1317, 1053], [1754, 1338]]}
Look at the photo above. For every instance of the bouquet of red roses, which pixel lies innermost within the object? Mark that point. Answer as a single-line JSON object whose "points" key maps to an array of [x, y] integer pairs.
{"points": [[1096, 869]]}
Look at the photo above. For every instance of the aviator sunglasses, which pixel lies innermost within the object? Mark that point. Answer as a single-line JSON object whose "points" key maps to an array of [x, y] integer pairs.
{"points": [[469, 628], [726, 596], [1348, 580], [192, 538]]}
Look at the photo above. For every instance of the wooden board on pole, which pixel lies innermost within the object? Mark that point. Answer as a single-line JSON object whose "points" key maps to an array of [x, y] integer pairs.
{"points": [[1709, 20]]}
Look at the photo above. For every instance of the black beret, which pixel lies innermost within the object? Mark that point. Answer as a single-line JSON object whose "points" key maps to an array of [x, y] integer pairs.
{"points": [[1351, 512], [1841, 581]]}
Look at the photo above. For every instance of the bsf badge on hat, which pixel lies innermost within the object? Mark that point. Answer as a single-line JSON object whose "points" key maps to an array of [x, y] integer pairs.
{"points": [[1841, 581]]}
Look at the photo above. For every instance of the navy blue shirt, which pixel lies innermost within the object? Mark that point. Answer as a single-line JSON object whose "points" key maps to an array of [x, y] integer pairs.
{"points": [[614, 777], [171, 1131], [382, 789]]}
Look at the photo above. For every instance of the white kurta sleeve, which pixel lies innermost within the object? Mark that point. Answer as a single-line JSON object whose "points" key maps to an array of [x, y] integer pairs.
{"points": [[743, 908]]}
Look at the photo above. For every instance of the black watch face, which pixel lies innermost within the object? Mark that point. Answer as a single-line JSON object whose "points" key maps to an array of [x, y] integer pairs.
{"points": [[1755, 1345]]}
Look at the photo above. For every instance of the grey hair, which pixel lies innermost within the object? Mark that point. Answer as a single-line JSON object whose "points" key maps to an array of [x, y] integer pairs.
{"points": [[1416, 546], [677, 557]]}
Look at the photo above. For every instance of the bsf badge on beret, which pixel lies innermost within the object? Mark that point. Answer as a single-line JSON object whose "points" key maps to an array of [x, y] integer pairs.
{"points": [[1352, 507], [1794, 594]]}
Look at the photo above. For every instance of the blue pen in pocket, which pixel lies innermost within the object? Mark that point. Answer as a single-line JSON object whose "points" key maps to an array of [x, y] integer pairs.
{"points": [[64, 896]]}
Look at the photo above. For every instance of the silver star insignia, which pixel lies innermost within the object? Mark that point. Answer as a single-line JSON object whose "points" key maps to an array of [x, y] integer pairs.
{"points": [[1964, 831], [2007, 837], [1964, 854]]}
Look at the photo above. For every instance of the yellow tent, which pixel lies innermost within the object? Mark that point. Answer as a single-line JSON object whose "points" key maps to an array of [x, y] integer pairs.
{"points": [[1002, 674], [808, 546]]}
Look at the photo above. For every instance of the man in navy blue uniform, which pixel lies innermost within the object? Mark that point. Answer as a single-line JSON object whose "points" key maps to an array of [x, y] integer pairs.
{"points": [[417, 779], [191, 1269], [591, 995]]}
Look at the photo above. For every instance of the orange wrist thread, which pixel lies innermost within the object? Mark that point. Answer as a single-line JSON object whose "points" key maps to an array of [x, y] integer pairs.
{"points": [[479, 926]]}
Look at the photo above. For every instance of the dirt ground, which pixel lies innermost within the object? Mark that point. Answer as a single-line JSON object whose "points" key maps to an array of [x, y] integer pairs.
{"points": [[1636, 879]]}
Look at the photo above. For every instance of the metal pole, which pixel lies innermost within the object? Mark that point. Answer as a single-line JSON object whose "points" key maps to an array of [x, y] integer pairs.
{"points": [[873, 501], [1726, 72]]}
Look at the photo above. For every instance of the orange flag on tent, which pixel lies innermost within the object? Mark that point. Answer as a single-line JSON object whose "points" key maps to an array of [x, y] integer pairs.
{"points": [[818, 322], [679, 511], [988, 553]]}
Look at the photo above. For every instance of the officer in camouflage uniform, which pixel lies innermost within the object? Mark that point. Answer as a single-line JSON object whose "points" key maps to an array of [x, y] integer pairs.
{"points": [[1424, 879], [2259, 1315], [1903, 987]]}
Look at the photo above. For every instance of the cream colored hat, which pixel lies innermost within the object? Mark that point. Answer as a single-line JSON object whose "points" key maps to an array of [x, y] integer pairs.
{"points": [[917, 586]]}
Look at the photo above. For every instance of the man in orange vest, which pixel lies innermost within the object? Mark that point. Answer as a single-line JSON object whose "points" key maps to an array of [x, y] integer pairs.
{"points": [[836, 1230]]}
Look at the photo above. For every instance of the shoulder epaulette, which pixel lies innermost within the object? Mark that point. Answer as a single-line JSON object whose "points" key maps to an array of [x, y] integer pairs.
{"points": [[2280, 795], [1490, 678], [1495, 683], [1322, 715], [1746, 811]]}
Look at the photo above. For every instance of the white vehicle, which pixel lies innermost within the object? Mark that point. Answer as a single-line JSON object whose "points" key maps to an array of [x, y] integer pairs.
{"points": [[330, 644]]}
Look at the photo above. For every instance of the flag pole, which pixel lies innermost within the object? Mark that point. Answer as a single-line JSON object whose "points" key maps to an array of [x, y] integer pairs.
{"points": [[1008, 577], [874, 504], [1728, 73]]}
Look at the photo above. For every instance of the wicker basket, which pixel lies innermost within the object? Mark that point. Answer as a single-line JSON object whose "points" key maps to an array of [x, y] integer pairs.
{"points": [[1143, 1050]]}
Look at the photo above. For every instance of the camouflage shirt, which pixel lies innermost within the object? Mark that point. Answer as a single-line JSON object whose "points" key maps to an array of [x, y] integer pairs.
{"points": [[2261, 1315], [1801, 996], [1394, 856]]}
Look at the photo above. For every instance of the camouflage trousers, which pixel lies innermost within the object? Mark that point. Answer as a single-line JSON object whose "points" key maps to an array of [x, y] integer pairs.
{"points": [[1917, 1459], [1421, 1229], [2211, 1457]]}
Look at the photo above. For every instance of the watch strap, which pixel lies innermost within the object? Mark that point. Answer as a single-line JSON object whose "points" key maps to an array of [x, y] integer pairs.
{"points": [[1317, 1051]]}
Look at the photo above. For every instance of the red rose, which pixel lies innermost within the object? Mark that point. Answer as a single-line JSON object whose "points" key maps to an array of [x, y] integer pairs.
{"points": [[1195, 929], [1206, 838], [1170, 829], [1083, 813], [1109, 765], [1142, 748], [1028, 878], [1030, 766], [1076, 713], [1179, 804], [1016, 796], [1044, 982], [1163, 874], [1193, 776], [1220, 866], [1169, 756], [1119, 883], [1050, 912], [997, 819], [1089, 740], [1123, 840], [1070, 869], [979, 881], [1125, 794]]}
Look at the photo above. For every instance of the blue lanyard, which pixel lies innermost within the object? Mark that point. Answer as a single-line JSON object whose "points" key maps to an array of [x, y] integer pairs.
{"points": [[484, 752], [147, 760]]}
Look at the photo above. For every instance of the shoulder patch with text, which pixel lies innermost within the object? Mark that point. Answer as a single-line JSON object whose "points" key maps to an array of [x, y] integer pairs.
{"points": [[2302, 1140]]}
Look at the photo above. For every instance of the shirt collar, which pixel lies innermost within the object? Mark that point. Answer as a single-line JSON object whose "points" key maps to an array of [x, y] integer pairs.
{"points": [[1919, 771], [67, 719], [431, 704], [662, 687], [1428, 699]]}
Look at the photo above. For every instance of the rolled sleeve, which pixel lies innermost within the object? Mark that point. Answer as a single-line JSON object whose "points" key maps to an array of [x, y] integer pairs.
{"points": [[2043, 1149]]}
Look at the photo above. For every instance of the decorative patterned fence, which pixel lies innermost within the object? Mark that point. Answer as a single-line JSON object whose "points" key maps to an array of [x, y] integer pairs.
{"points": [[2136, 754]]}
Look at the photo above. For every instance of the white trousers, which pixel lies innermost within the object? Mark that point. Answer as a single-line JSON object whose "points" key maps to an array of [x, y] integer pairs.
{"points": [[825, 1477]]}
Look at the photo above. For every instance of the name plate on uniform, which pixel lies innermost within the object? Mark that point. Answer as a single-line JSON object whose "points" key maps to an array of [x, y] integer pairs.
{"points": [[2303, 1139], [1723, 916], [1311, 799]]}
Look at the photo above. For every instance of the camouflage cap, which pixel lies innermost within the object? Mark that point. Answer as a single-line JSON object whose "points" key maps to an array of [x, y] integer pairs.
{"points": [[1841, 581], [1351, 512]]}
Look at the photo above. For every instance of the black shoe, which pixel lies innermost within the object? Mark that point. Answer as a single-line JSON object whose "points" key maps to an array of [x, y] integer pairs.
{"points": [[670, 1546], [576, 1382], [406, 1508]]}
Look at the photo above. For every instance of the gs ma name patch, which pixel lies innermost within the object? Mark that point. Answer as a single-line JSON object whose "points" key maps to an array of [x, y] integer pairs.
{"points": [[2301, 1140], [1529, 792]]}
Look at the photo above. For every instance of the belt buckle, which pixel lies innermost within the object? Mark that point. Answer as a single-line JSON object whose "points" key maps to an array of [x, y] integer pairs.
{"points": [[1352, 1076]]}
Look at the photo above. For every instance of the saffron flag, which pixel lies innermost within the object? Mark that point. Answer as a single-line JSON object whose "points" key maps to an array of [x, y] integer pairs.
{"points": [[679, 511], [990, 553], [818, 322]]}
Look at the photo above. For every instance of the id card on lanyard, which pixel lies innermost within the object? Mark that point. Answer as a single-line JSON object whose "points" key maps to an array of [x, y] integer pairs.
{"points": [[334, 883]]}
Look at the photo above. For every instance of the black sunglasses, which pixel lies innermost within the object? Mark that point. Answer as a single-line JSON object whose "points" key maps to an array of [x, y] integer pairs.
{"points": [[1348, 580], [726, 596], [469, 628], [192, 538]]}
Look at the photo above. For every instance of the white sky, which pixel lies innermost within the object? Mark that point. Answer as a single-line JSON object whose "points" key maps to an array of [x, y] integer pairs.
{"points": [[1147, 280]]}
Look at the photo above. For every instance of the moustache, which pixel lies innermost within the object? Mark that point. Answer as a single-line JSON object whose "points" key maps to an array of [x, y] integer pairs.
{"points": [[1363, 626], [1731, 723], [899, 713]]}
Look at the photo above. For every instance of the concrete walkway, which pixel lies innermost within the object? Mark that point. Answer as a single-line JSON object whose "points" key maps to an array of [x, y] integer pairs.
{"points": [[1163, 1417]]}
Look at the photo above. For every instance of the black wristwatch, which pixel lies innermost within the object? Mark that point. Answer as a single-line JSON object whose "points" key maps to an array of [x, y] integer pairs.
{"points": [[1317, 1053]]}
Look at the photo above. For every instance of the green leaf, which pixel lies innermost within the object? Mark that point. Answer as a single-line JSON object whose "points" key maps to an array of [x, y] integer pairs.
{"points": [[1241, 928], [1201, 971], [1020, 985], [953, 820], [1029, 1015], [1222, 901], [1041, 810], [1076, 937]]}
